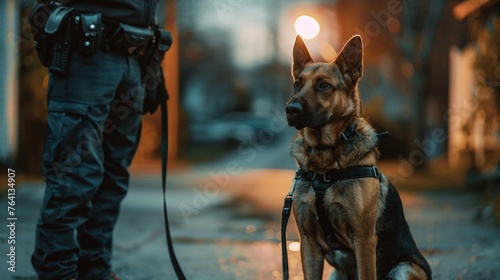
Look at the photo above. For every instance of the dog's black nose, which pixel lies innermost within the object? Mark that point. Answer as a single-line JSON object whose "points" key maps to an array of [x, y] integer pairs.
{"points": [[293, 110]]}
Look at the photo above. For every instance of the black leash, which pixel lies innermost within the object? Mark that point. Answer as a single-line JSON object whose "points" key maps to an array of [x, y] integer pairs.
{"points": [[164, 155], [285, 215], [318, 182]]}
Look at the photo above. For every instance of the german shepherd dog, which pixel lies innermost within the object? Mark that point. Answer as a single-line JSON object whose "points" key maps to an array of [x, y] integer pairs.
{"points": [[369, 237]]}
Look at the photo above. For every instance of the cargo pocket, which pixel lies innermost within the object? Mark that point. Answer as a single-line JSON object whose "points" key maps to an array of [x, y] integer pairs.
{"points": [[64, 137]]}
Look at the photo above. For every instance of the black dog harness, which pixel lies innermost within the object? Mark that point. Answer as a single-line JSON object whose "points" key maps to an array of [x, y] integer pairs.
{"points": [[320, 183]]}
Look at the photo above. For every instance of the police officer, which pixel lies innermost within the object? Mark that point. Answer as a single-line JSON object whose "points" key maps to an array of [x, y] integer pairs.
{"points": [[93, 128]]}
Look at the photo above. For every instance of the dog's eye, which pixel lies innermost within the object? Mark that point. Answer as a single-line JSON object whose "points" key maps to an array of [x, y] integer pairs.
{"points": [[324, 86], [296, 85]]}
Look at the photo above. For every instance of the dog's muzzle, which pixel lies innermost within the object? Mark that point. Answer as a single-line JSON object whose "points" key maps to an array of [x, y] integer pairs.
{"points": [[294, 111]]}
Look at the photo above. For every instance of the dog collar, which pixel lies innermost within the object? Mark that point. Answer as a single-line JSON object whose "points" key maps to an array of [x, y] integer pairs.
{"points": [[347, 134]]}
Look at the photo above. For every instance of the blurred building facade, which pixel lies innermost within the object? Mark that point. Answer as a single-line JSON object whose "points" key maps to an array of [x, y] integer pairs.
{"points": [[235, 57], [474, 107]]}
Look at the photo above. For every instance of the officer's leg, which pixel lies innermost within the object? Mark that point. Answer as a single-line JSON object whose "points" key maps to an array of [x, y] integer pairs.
{"points": [[119, 145], [66, 203], [73, 159]]}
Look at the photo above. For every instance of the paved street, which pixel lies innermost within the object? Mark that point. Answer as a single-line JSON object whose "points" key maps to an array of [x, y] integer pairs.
{"points": [[225, 221]]}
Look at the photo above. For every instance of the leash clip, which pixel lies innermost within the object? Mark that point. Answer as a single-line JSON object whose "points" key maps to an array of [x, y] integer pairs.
{"points": [[292, 189], [297, 176]]}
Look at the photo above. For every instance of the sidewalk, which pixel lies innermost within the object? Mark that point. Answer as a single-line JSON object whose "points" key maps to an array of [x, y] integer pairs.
{"points": [[225, 220]]}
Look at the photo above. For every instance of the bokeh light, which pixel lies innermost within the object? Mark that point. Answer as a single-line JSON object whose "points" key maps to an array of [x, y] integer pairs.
{"points": [[294, 246], [307, 27]]}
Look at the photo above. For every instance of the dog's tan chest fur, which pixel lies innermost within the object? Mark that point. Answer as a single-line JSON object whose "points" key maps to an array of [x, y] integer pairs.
{"points": [[311, 159]]}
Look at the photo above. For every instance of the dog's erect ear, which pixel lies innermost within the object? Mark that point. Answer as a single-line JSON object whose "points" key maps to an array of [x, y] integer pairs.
{"points": [[350, 59], [301, 56]]}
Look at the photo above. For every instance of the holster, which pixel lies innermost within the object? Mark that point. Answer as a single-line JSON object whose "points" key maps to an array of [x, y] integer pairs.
{"points": [[155, 90], [53, 28]]}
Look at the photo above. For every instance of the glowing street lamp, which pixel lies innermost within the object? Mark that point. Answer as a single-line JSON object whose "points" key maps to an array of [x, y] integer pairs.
{"points": [[307, 27]]}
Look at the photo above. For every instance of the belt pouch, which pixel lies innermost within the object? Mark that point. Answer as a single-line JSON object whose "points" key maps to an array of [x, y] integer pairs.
{"points": [[91, 33], [130, 39]]}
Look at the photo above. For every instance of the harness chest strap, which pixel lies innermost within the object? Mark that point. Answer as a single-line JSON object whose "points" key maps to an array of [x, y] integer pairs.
{"points": [[322, 182]]}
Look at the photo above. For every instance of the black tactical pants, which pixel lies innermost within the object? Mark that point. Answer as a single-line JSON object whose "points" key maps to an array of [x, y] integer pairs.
{"points": [[93, 129]]}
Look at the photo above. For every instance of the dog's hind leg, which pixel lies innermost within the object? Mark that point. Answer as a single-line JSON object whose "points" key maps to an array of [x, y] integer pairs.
{"points": [[406, 271]]}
